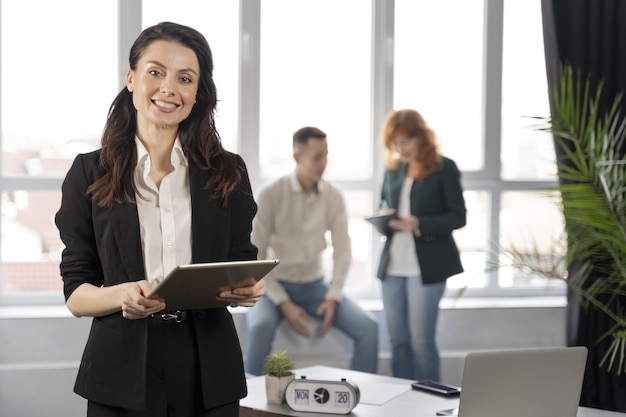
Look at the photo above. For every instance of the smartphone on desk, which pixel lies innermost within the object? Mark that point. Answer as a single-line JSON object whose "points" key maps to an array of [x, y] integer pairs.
{"points": [[437, 388], [448, 412]]}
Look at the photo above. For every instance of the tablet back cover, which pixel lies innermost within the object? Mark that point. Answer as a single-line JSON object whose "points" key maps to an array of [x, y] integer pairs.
{"points": [[195, 286]]}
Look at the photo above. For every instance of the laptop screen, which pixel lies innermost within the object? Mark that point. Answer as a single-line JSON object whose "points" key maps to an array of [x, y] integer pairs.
{"points": [[523, 383]]}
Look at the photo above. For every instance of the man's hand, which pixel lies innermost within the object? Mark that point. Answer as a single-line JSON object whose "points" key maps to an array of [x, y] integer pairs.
{"points": [[327, 311], [296, 317]]}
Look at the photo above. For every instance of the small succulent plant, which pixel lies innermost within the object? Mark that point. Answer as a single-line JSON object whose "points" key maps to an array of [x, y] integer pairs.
{"points": [[278, 364]]}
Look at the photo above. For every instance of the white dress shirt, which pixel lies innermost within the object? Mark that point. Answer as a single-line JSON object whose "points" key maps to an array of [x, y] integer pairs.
{"points": [[164, 214], [291, 226]]}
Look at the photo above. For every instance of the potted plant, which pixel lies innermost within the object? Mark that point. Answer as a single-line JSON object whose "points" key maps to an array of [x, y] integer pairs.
{"points": [[592, 183], [278, 369]]}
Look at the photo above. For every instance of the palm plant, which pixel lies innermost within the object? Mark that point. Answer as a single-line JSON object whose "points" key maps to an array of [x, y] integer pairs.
{"points": [[592, 187], [593, 191]]}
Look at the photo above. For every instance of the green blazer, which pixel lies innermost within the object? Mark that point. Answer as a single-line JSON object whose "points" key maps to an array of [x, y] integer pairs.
{"points": [[437, 201]]}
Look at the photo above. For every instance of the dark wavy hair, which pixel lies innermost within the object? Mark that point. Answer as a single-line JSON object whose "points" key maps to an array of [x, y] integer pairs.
{"points": [[410, 124], [197, 133]]}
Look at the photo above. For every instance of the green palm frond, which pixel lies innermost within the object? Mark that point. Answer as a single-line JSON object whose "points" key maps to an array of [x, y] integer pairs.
{"points": [[592, 173], [592, 170]]}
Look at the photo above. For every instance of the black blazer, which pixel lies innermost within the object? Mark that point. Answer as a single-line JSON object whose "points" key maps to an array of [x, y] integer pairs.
{"points": [[103, 247], [437, 201]]}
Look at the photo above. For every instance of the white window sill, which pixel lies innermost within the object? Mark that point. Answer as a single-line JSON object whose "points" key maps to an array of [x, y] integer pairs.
{"points": [[61, 311]]}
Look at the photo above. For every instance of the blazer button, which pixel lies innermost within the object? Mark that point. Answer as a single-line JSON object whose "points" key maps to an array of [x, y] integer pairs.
{"points": [[202, 315]]}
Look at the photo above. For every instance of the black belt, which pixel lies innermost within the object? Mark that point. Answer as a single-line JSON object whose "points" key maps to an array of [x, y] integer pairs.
{"points": [[178, 315]]}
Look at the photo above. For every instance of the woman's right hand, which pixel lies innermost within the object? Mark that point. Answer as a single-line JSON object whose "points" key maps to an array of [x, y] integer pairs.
{"points": [[405, 224], [129, 297], [136, 305]]}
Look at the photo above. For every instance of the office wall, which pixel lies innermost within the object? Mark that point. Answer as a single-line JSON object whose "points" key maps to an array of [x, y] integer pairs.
{"points": [[39, 356]]}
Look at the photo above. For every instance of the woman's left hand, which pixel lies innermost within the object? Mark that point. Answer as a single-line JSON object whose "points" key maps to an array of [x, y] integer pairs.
{"points": [[244, 296]]}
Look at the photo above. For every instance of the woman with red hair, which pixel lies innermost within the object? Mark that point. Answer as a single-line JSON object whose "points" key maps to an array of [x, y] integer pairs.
{"points": [[424, 189]]}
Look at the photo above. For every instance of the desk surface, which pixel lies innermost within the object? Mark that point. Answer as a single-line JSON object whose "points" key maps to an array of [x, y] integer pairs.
{"points": [[410, 403]]}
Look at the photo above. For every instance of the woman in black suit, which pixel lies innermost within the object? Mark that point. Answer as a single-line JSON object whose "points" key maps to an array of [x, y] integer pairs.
{"points": [[160, 192], [424, 189]]}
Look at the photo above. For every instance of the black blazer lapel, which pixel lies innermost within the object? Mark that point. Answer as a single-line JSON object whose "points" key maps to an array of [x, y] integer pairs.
{"points": [[125, 225]]}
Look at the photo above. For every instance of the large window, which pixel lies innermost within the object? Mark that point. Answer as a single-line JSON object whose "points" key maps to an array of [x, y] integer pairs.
{"points": [[314, 72], [438, 67], [527, 152], [530, 223], [475, 70], [58, 78]]}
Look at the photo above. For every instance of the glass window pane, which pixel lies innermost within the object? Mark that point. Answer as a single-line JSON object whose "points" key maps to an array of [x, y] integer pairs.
{"points": [[527, 152], [532, 227], [438, 72], [59, 76], [361, 274], [218, 21], [31, 246], [315, 71], [472, 241]]}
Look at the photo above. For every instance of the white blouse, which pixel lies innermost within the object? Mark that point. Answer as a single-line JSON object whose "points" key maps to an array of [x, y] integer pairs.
{"points": [[164, 214], [402, 255]]}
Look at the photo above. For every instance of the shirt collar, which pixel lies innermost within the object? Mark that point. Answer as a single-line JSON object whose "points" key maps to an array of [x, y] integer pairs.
{"points": [[297, 187], [178, 155], [177, 158]]}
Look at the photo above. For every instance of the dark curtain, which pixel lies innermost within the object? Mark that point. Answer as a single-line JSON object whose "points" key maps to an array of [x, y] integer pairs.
{"points": [[590, 35]]}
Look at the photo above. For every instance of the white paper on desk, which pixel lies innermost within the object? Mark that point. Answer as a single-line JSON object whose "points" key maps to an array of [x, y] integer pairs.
{"points": [[378, 393]]}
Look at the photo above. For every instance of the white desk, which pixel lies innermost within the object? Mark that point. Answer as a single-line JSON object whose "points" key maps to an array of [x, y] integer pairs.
{"points": [[410, 403]]}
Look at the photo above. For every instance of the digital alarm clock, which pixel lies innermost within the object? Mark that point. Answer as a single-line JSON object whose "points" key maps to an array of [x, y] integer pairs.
{"points": [[317, 396]]}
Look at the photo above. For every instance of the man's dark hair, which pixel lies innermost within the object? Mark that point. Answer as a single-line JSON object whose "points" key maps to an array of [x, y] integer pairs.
{"points": [[301, 136]]}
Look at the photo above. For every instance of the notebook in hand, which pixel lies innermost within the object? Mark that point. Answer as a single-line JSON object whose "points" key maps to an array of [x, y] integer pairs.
{"points": [[523, 382], [379, 221], [195, 286]]}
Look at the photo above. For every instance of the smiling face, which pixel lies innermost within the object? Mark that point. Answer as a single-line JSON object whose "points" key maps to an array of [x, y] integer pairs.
{"points": [[164, 85]]}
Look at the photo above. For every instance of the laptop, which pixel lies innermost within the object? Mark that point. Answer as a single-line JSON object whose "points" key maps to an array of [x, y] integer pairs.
{"points": [[522, 383]]}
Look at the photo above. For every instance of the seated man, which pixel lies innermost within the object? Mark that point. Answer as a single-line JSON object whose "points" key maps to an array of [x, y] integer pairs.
{"points": [[294, 213]]}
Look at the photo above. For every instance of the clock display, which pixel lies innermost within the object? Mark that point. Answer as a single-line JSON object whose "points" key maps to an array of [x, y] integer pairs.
{"points": [[301, 396], [322, 395], [342, 399]]}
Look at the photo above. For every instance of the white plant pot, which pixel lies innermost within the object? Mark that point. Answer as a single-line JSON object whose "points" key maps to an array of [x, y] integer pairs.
{"points": [[275, 388]]}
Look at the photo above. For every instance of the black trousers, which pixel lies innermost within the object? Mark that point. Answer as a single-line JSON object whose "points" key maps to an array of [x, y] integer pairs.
{"points": [[173, 380]]}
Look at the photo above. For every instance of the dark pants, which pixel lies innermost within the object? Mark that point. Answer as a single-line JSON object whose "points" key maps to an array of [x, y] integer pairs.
{"points": [[173, 380]]}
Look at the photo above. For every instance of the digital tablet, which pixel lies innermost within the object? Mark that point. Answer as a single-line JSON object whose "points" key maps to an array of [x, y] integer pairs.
{"points": [[196, 286], [380, 222]]}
